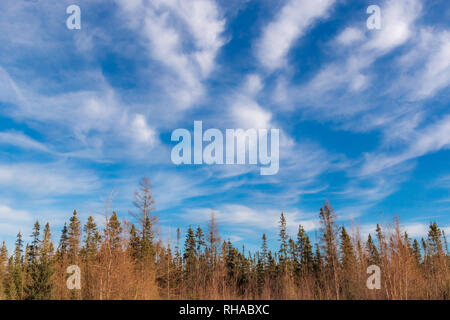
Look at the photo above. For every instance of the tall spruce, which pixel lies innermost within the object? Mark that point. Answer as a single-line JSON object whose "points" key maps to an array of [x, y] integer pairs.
{"points": [[329, 243], [305, 251], [144, 203], [113, 231], [372, 252], [348, 263], [3, 270], [39, 286], [283, 238], [416, 252], [74, 238]]}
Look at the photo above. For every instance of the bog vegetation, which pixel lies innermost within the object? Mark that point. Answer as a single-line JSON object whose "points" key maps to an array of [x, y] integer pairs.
{"points": [[126, 260]]}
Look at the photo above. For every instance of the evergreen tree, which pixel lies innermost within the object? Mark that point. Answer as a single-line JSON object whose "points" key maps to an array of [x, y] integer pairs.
{"points": [[416, 252], [200, 238], [17, 270], [190, 252], [190, 261], [284, 243], [305, 251], [381, 241], [329, 242], [372, 252], [3, 270], [114, 230], [434, 242], [294, 259], [134, 244], [63, 243], [231, 263], [11, 291], [89, 253], [262, 265], [74, 237], [144, 203], [318, 261], [92, 240], [260, 274], [33, 252], [264, 254], [40, 285], [348, 263]]}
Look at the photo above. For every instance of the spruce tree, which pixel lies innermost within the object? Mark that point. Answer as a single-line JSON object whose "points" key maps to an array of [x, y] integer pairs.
{"points": [[348, 263], [11, 291], [294, 259], [33, 252], [63, 244], [231, 263], [260, 274], [18, 270], [40, 284], [416, 252], [3, 270], [92, 240], [264, 253], [144, 203], [134, 244], [190, 252], [381, 242], [74, 238], [190, 261], [114, 230], [90, 250], [305, 251], [329, 243], [200, 238], [284, 242], [372, 252], [434, 242]]}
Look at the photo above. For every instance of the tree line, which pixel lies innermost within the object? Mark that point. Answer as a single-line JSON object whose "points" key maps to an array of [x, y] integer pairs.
{"points": [[124, 260]]}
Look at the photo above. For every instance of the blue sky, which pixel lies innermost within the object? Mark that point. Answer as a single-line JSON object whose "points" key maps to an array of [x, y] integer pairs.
{"points": [[363, 114]]}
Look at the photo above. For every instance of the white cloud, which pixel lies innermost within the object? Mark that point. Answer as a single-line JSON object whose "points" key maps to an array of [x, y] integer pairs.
{"points": [[290, 24], [9, 214], [349, 36], [21, 140], [246, 113], [426, 67], [430, 139], [35, 179], [352, 73], [416, 230], [94, 118], [141, 131], [166, 41], [253, 84]]}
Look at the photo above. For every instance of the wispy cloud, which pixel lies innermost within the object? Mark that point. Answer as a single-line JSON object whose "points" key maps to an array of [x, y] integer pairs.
{"points": [[166, 41], [290, 23], [39, 179], [429, 139]]}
